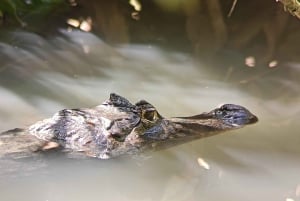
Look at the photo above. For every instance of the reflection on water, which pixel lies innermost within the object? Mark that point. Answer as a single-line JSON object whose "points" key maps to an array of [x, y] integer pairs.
{"points": [[260, 162]]}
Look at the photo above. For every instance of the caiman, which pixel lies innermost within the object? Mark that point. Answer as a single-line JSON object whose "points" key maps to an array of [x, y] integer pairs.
{"points": [[117, 127]]}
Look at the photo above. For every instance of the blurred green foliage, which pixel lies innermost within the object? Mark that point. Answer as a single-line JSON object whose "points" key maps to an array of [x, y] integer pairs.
{"points": [[21, 10]]}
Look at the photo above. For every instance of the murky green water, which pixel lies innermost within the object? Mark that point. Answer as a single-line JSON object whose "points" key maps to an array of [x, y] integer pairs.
{"points": [[261, 162]]}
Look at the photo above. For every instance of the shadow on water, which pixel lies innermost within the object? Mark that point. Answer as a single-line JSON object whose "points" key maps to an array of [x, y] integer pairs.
{"points": [[41, 76]]}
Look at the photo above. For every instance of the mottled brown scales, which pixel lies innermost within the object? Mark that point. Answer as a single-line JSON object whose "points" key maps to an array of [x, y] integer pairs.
{"points": [[117, 127]]}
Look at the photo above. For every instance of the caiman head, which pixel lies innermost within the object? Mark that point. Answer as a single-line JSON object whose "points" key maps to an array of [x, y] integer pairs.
{"points": [[144, 120], [148, 129], [182, 129]]}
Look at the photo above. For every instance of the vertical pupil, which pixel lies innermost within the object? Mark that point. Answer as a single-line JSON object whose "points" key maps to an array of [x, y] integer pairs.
{"points": [[149, 115]]}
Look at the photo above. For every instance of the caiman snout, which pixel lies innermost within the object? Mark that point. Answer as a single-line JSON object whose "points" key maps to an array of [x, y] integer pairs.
{"points": [[234, 114]]}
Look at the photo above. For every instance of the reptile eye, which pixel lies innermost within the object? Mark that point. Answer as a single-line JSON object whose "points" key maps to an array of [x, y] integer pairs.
{"points": [[150, 115]]}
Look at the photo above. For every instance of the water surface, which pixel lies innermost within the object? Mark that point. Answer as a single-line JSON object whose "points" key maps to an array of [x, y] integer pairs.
{"points": [[260, 162]]}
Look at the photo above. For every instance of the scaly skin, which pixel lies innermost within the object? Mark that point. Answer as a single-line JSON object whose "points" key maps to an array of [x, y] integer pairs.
{"points": [[117, 127]]}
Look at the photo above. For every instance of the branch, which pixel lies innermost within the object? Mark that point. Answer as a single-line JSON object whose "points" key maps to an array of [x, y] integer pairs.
{"points": [[292, 6]]}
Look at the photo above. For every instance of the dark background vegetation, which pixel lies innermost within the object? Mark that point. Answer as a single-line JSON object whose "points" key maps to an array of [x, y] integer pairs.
{"points": [[261, 29]]}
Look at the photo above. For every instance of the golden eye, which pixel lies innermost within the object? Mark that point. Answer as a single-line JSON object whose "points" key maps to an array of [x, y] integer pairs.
{"points": [[150, 115]]}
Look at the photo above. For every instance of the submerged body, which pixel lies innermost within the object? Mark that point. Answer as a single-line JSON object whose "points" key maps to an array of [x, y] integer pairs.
{"points": [[117, 127]]}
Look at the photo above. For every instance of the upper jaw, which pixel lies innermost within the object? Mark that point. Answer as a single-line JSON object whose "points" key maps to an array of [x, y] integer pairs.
{"points": [[234, 115], [228, 115]]}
